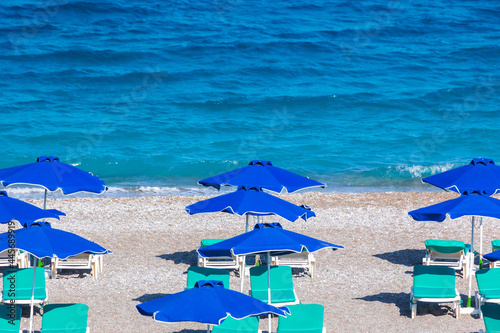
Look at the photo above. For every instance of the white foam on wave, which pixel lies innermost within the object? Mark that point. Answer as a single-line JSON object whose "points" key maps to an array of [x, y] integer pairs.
{"points": [[25, 192], [419, 171]]}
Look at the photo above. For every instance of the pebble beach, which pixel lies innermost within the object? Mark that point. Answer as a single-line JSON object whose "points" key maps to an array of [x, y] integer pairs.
{"points": [[364, 288]]}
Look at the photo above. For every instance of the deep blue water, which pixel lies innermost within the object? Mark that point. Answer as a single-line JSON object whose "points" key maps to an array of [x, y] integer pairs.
{"points": [[155, 95]]}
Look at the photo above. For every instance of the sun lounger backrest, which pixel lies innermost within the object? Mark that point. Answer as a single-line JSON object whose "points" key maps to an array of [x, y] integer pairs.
{"points": [[231, 325], [68, 318], [281, 278], [433, 276], [488, 279], [495, 245], [207, 242], [195, 274], [303, 318], [491, 316], [7, 322], [22, 279], [445, 246]]}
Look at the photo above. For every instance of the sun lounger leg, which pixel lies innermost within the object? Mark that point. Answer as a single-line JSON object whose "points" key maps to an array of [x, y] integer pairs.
{"points": [[413, 307], [53, 269], [456, 306]]}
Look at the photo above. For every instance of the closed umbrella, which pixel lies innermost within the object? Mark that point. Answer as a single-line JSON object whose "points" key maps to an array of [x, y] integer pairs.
{"points": [[262, 174], [207, 303], [268, 238]]}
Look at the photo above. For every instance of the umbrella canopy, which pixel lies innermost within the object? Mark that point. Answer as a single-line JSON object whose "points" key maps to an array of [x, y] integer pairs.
{"points": [[264, 175], [480, 174], [475, 203], [493, 256], [266, 237], [14, 209], [42, 241], [251, 201], [50, 173], [208, 303]]}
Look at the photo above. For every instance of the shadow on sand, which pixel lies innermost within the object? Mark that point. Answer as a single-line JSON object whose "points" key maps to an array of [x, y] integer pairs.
{"points": [[185, 257], [149, 297], [402, 301], [408, 257]]}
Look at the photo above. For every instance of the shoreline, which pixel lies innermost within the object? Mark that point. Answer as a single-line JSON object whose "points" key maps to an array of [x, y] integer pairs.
{"points": [[154, 241], [30, 192]]}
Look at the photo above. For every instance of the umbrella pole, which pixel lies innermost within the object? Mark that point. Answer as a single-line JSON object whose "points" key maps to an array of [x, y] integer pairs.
{"points": [[32, 300], [45, 200], [208, 328], [471, 268], [269, 286], [481, 244], [246, 226]]}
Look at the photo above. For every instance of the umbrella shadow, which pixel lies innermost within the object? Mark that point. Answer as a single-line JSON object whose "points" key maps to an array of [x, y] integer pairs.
{"points": [[183, 257], [408, 257], [402, 301], [149, 297]]}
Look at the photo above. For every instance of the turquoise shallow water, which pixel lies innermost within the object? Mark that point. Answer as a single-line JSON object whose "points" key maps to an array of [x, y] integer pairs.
{"points": [[153, 96]]}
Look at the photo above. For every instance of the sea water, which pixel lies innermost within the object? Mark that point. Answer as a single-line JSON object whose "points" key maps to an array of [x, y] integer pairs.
{"points": [[154, 95]]}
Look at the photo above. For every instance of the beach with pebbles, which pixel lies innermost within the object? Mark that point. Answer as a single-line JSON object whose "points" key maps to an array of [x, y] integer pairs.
{"points": [[363, 288]]}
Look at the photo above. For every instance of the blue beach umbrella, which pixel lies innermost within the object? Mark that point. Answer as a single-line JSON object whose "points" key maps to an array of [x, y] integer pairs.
{"points": [[207, 303], [474, 203], [18, 210], [480, 174], [266, 238], [262, 174], [251, 201], [49, 172], [43, 241]]}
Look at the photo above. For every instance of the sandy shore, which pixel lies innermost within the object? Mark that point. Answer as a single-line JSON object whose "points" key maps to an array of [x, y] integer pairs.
{"points": [[364, 288]]}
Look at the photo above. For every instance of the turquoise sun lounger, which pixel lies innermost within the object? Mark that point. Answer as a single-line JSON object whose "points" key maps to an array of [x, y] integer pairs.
{"points": [[434, 284], [10, 318], [282, 290], [65, 318], [245, 325], [18, 283], [488, 283], [195, 274], [303, 318], [233, 262], [491, 317], [450, 253]]}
